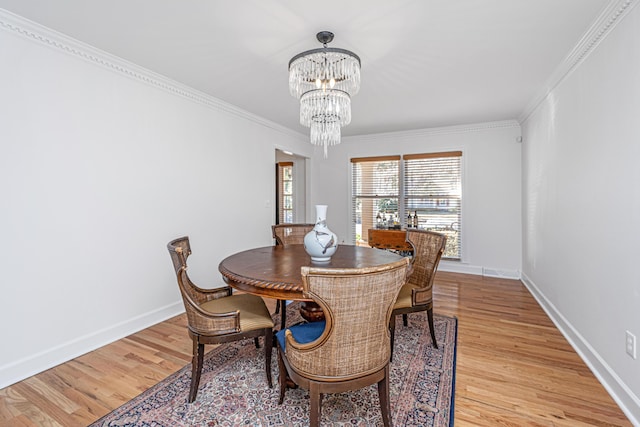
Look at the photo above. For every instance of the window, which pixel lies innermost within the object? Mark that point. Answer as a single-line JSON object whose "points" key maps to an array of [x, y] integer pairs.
{"points": [[433, 192], [395, 191], [375, 192], [285, 192]]}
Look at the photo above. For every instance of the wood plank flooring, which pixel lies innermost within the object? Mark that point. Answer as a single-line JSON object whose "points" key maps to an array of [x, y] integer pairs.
{"points": [[514, 368]]}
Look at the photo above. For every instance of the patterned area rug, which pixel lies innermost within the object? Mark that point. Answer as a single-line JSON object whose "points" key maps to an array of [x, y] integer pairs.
{"points": [[233, 388]]}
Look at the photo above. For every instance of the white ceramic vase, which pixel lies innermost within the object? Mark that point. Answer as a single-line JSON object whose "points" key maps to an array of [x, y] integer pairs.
{"points": [[321, 243]]}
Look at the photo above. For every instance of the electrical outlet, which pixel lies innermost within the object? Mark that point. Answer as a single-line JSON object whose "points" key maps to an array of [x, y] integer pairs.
{"points": [[631, 344]]}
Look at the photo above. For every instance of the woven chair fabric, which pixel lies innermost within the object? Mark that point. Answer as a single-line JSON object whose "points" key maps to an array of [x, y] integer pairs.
{"points": [[291, 234], [199, 295], [428, 248], [181, 253], [427, 245], [206, 308], [357, 304], [216, 316]]}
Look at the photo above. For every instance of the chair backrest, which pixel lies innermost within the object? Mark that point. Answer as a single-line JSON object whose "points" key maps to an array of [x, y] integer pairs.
{"points": [[290, 234], [179, 249], [428, 248], [357, 304]]}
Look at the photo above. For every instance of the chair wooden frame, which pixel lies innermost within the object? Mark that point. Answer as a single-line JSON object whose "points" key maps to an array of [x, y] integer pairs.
{"points": [[354, 349], [417, 294], [205, 327]]}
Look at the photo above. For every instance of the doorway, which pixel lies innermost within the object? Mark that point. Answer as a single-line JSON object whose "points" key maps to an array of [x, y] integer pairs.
{"points": [[291, 185]]}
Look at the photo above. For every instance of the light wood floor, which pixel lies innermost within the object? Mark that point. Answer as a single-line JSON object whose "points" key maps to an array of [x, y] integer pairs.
{"points": [[514, 368]]}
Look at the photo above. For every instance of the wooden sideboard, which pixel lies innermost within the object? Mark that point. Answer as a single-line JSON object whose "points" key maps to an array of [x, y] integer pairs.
{"points": [[389, 239]]}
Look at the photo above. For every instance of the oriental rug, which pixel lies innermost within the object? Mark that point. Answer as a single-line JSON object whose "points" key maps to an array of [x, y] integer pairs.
{"points": [[233, 388]]}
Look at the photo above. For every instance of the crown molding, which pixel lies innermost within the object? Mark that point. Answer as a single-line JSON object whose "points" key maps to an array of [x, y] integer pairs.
{"points": [[611, 16], [444, 130], [46, 36]]}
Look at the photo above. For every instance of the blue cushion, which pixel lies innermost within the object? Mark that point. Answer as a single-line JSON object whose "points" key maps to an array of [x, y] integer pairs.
{"points": [[303, 333]]}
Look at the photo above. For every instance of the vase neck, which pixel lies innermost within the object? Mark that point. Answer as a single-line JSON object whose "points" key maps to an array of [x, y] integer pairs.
{"points": [[321, 213]]}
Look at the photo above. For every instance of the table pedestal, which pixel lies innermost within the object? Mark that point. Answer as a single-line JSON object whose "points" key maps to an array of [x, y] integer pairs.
{"points": [[311, 312]]}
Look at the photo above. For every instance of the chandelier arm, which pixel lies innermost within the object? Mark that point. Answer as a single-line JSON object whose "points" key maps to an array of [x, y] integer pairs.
{"points": [[327, 91], [326, 50]]}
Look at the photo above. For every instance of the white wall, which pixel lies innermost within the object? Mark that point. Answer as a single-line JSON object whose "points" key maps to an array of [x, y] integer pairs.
{"points": [[581, 206], [491, 227], [102, 164]]}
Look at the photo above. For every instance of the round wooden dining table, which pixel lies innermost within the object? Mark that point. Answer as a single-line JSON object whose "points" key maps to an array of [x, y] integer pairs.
{"points": [[274, 271]]}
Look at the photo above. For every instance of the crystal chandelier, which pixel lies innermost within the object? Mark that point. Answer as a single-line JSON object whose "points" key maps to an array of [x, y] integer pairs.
{"points": [[324, 80]]}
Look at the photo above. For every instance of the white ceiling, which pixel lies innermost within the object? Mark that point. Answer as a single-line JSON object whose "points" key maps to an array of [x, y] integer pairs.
{"points": [[425, 63]]}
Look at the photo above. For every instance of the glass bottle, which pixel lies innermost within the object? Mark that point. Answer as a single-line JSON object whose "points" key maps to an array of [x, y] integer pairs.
{"points": [[415, 219], [409, 220]]}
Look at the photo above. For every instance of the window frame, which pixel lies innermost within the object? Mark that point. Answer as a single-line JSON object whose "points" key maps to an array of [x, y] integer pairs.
{"points": [[451, 190], [281, 208]]}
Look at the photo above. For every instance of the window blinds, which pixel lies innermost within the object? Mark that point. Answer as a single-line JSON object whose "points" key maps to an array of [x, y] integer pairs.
{"points": [[387, 190], [433, 192], [375, 191]]}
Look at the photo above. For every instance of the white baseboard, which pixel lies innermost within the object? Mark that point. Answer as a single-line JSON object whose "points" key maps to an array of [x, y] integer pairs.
{"points": [[458, 267], [24, 368], [504, 274], [621, 394]]}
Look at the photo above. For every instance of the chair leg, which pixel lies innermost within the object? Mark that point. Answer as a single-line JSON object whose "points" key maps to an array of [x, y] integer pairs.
{"points": [[256, 341], [315, 401], [282, 373], [278, 306], [268, 347], [383, 394], [196, 369], [283, 314], [433, 331], [405, 320], [392, 333]]}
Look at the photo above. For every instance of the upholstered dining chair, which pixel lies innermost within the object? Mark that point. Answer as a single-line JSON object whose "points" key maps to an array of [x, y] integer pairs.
{"points": [[417, 294], [217, 316], [288, 234], [351, 348]]}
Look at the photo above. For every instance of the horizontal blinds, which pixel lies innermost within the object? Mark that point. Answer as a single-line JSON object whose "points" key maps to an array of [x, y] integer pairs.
{"points": [[433, 192], [375, 192], [436, 177], [430, 188], [376, 178]]}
